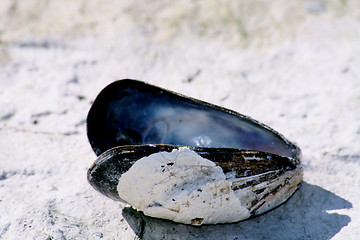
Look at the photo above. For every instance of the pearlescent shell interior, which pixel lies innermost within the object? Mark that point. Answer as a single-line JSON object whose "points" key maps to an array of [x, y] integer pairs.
{"points": [[130, 112]]}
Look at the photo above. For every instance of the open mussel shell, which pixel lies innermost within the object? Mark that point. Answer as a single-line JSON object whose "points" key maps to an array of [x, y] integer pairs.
{"points": [[131, 119]]}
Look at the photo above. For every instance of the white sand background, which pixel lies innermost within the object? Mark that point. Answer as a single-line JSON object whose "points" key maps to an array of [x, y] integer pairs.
{"points": [[294, 65]]}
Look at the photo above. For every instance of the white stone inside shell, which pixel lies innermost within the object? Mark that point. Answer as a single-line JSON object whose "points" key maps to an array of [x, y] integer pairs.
{"points": [[183, 187]]}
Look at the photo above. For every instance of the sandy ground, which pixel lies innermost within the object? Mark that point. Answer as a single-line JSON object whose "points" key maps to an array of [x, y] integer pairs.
{"points": [[293, 65]]}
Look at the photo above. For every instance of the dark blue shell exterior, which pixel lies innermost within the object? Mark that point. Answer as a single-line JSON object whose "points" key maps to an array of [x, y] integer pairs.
{"points": [[131, 119]]}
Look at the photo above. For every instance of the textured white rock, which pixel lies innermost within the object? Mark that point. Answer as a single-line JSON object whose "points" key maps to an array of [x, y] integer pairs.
{"points": [[183, 187]]}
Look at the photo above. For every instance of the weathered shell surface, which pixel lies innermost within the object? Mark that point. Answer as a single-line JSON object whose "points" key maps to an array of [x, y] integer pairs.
{"points": [[131, 119]]}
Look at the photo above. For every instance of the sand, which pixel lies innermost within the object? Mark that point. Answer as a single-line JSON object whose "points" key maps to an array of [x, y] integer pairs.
{"points": [[292, 65]]}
